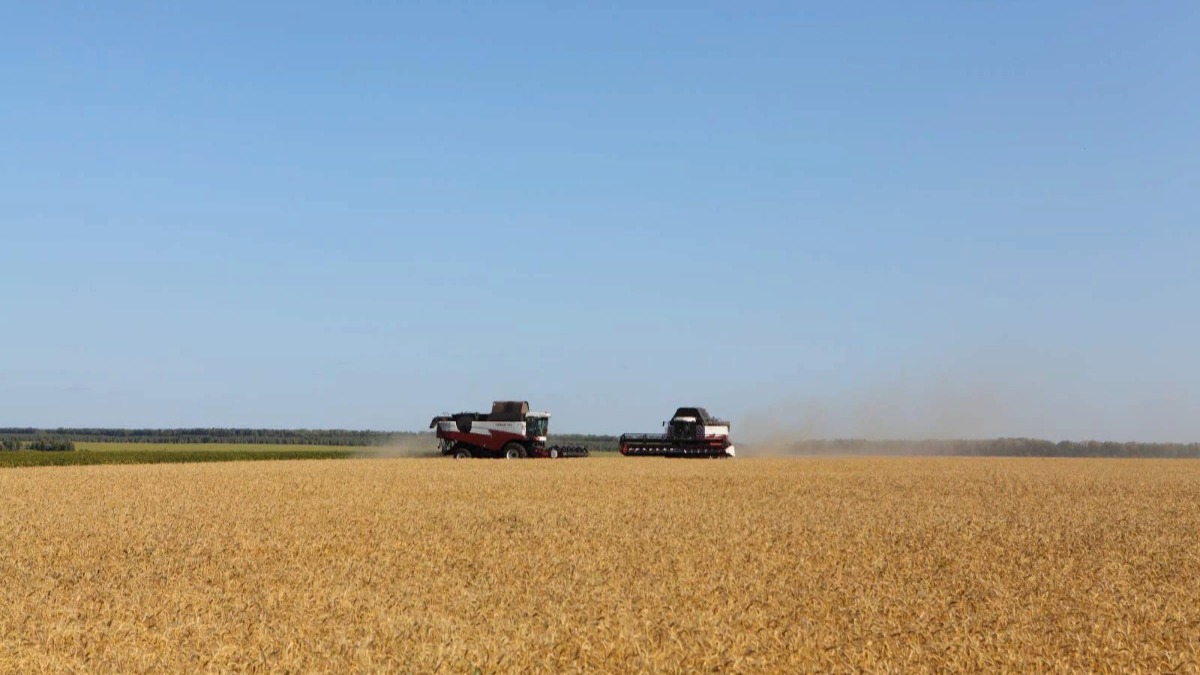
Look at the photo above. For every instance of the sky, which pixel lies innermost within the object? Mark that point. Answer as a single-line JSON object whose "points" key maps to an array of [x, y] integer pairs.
{"points": [[869, 219]]}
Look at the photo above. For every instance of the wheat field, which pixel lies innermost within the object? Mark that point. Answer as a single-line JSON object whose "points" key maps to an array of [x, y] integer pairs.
{"points": [[602, 565]]}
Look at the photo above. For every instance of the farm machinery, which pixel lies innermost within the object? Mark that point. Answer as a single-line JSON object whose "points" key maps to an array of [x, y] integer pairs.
{"points": [[691, 432], [510, 431]]}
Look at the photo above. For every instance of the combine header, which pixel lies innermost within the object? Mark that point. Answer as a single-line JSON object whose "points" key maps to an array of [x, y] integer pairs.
{"points": [[510, 431], [692, 432]]}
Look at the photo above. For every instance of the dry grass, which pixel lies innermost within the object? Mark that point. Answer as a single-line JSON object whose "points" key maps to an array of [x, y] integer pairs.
{"points": [[602, 565]]}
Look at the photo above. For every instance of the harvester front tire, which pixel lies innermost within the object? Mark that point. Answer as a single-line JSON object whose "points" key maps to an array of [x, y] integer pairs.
{"points": [[514, 451], [462, 453]]}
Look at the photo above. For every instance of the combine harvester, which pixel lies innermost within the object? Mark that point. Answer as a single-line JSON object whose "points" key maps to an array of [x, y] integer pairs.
{"points": [[509, 431], [692, 432]]}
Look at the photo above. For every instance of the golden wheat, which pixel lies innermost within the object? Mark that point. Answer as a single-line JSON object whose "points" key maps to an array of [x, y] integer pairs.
{"points": [[604, 565]]}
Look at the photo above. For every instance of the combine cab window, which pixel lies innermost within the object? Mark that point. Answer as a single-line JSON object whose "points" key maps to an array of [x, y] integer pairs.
{"points": [[536, 426], [684, 429]]}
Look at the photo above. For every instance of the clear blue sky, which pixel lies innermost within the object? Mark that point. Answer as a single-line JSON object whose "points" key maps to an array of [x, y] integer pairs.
{"points": [[922, 218]]}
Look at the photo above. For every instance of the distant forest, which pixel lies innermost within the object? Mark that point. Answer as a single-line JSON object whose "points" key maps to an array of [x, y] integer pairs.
{"points": [[1001, 447], [267, 436]]}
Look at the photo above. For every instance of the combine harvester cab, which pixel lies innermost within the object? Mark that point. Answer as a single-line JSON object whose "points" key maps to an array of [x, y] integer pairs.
{"points": [[510, 431], [692, 432]]}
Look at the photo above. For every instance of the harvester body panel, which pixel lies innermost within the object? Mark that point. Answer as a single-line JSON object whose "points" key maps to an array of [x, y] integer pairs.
{"points": [[510, 430]]}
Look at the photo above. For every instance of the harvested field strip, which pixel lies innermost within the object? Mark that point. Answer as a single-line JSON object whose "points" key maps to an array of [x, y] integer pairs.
{"points": [[93, 446], [157, 453], [603, 565]]}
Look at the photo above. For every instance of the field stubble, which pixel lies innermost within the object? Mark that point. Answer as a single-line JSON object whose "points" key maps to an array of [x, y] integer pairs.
{"points": [[602, 565]]}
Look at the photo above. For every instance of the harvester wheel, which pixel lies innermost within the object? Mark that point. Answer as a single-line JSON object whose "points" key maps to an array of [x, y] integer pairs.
{"points": [[514, 451], [462, 453], [553, 453]]}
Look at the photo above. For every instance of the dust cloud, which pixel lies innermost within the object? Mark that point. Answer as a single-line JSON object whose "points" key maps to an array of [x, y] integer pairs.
{"points": [[884, 413], [1005, 398], [403, 445]]}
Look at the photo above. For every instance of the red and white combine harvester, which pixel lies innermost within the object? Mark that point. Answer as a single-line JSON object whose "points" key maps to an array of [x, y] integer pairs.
{"points": [[692, 432], [510, 431]]}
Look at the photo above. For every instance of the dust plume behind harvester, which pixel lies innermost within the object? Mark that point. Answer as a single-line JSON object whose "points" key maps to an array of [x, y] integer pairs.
{"points": [[511, 431], [691, 432]]}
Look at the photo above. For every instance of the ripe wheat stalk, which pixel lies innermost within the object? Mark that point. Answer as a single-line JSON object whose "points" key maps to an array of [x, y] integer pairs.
{"points": [[610, 565]]}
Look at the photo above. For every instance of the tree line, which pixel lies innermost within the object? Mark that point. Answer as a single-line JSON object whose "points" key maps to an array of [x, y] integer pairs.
{"points": [[331, 437], [38, 443]]}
